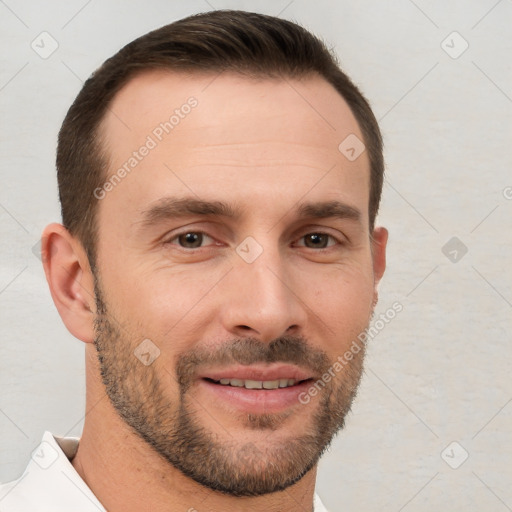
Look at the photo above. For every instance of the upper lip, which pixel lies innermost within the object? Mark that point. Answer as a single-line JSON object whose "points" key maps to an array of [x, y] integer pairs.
{"points": [[258, 373]]}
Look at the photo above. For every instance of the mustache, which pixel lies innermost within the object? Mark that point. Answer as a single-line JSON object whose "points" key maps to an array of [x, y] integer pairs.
{"points": [[246, 351]]}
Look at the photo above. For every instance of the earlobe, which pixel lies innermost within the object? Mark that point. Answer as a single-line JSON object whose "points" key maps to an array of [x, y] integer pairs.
{"points": [[70, 280], [379, 244]]}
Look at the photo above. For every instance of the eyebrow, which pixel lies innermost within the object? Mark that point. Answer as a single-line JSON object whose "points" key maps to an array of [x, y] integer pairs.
{"points": [[323, 210], [173, 207]]}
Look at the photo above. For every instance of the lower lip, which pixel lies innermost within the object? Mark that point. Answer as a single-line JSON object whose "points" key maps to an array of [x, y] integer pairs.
{"points": [[256, 400]]}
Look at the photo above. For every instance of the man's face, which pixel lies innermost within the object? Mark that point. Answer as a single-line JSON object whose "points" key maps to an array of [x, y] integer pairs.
{"points": [[239, 246]]}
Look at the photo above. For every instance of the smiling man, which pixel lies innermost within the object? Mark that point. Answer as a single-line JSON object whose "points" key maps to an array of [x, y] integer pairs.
{"points": [[219, 180]]}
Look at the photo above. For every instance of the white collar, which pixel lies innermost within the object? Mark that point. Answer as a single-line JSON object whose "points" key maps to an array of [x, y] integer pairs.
{"points": [[51, 484]]}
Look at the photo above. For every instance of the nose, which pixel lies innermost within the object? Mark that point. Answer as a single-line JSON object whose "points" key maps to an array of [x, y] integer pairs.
{"points": [[261, 301]]}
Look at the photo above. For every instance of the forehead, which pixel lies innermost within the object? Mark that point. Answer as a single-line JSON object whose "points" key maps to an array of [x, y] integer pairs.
{"points": [[207, 131], [152, 96]]}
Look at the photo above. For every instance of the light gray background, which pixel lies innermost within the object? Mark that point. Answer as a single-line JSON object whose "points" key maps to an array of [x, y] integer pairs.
{"points": [[440, 371]]}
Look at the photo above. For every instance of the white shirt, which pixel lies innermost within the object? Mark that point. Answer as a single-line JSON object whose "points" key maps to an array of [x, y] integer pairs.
{"points": [[51, 484]]}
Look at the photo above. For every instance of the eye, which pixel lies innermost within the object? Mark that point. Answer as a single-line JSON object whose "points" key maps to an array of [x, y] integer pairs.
{"points": [[191, 240], [317, 241]]}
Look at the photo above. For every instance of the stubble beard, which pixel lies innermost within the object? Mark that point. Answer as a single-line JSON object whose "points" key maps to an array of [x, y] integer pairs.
{"points": [[236, 468]]}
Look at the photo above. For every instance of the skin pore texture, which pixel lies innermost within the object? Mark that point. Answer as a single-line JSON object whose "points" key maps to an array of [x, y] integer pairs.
{"points": [[238, 248]]}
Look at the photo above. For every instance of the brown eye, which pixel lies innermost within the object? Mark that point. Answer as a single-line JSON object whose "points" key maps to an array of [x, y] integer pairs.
{"points": [[316, 240], [190, 240]]}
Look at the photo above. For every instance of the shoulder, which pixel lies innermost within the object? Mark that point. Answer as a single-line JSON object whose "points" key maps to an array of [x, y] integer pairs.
{"points": [[49, 483]]}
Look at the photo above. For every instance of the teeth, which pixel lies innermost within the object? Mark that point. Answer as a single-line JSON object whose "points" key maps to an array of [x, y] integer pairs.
{"points": [[253, 384], [258, 384], [271, 384]]}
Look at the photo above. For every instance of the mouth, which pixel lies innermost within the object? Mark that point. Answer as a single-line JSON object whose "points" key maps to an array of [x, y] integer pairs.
{"points": [[258, 384], [252, 389]]}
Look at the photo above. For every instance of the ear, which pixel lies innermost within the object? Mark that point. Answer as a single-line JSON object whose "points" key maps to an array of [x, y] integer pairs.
{"points": [[70, 280], [379, 242]]}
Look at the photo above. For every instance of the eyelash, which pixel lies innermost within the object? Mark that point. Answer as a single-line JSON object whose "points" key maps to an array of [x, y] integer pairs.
{"points": [[177, 236], [336, 240]]}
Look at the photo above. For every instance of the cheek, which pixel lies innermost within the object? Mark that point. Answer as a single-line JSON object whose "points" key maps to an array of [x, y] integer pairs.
{"points": [[342, 302], [165, 303]]}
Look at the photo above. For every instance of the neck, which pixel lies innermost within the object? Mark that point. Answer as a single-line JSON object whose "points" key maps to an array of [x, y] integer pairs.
{"points": [[127, 475]]}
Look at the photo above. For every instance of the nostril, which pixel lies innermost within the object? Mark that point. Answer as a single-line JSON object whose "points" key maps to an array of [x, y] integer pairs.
{"points": [[244, 327]]}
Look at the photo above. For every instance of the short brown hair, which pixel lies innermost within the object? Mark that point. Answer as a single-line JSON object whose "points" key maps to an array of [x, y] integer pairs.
{"points": [[251, 44]]}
